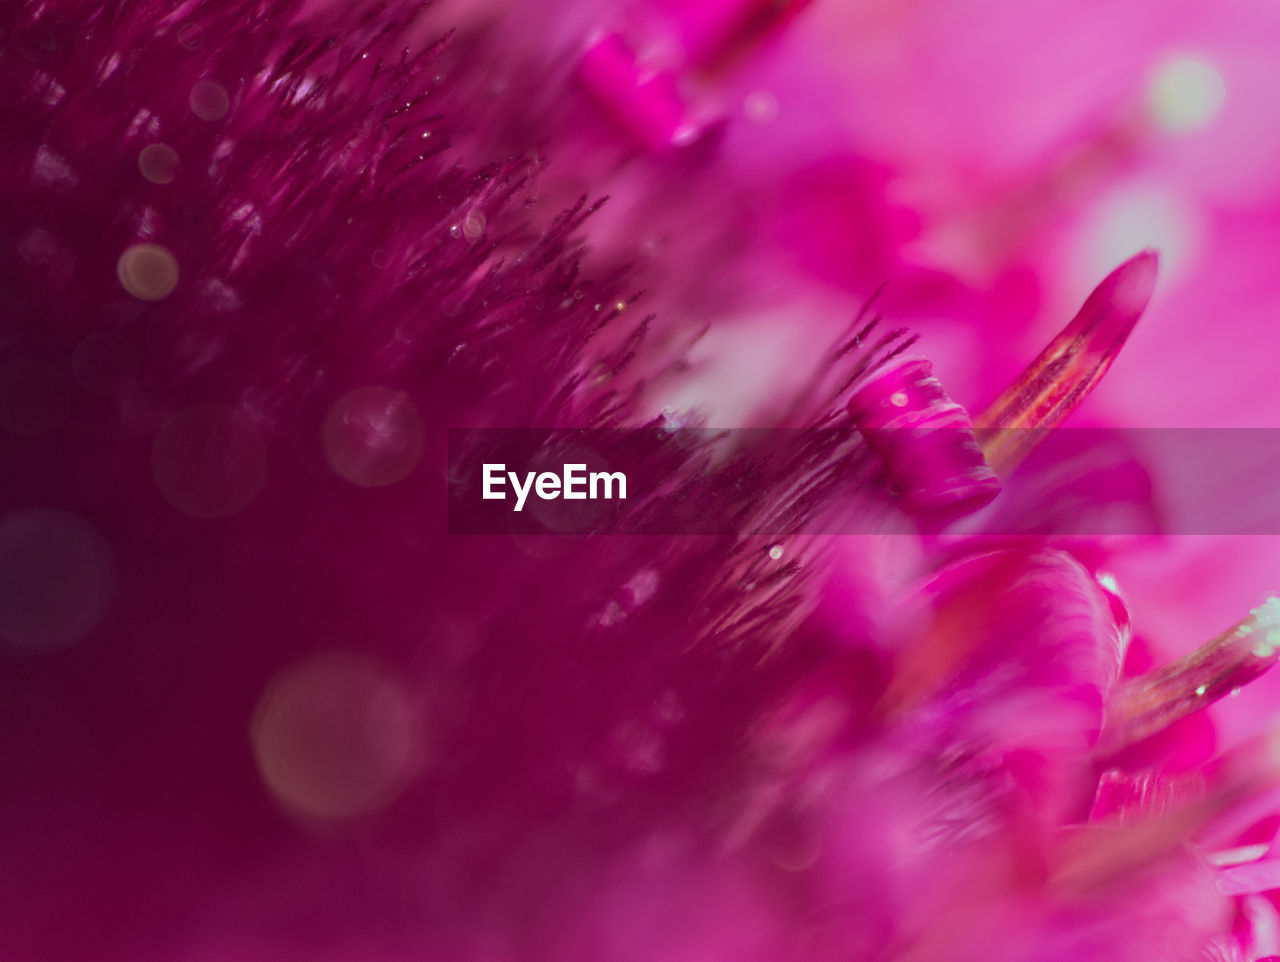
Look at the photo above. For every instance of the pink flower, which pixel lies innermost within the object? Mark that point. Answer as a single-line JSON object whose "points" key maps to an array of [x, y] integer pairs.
{"points": [[257, 259]]}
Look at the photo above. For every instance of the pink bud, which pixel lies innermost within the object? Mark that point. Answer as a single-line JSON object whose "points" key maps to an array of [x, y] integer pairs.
{"points": [[926, 442], [1056, 382]]}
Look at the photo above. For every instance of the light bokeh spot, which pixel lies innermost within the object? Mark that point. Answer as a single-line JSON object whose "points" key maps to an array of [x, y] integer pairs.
{"points": [[336, 736], [209, 100], [148, 271], [56, 578], [373, 436], [158, 163], [760, 107], [210, 461], [1136, 216], [1185, 94], [191, 36]]}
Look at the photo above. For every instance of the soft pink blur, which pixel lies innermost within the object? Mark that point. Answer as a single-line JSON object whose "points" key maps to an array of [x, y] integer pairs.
{"points": [[562, 748]]}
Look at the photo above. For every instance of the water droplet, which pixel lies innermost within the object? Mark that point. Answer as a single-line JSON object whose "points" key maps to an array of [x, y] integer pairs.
{"points": [[775, 552], [473, 225], [455, 231]]}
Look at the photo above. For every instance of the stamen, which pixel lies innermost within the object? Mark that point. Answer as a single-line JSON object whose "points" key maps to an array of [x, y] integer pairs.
{"points": [[1055, 383], [1150, 703]]}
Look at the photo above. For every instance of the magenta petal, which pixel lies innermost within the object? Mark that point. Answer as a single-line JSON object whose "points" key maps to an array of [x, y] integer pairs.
{"points": [[1124, 796], [644, 102], [1022, 649], [1248, 879]]}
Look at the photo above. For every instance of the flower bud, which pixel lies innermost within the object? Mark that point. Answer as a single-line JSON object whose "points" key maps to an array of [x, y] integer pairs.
{"points": [[925, 441]]}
